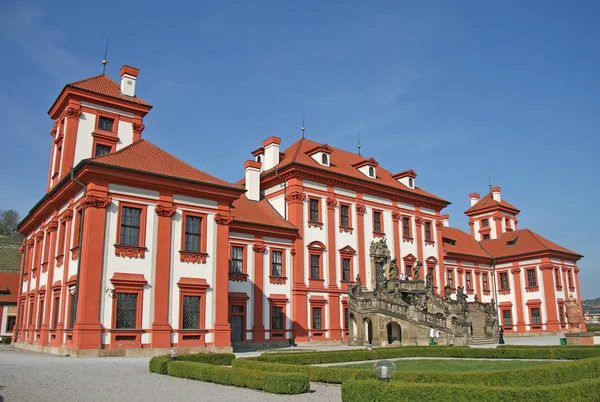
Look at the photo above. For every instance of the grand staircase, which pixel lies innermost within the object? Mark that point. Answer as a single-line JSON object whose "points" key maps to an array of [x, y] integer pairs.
{"points": [[479, 336]]}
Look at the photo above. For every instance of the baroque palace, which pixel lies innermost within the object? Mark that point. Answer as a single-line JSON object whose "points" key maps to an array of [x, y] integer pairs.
{"points": [[131, 248]]}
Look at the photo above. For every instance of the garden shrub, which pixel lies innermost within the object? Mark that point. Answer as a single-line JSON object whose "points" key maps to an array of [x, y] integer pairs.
{"points": [[332, 375], [284, 383], [304, 358], [217, 359], [374, 390], [158, 364]]}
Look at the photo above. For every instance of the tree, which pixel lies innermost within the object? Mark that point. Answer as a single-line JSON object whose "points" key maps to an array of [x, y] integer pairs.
{"points": [[9, 219]]}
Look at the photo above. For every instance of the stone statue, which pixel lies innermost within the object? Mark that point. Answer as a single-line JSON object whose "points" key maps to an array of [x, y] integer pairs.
{"points": [[476, 298], [417, 275], [573, 313], [429, 281], [447, 292], [382, 282], [356, 289], [393, 269]]}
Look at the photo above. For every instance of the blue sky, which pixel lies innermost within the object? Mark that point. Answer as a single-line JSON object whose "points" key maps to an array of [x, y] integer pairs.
{"points": [[452, 89]]}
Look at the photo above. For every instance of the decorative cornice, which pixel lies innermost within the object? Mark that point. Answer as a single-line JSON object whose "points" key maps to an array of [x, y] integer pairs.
{"points": [[223, 219], [30, 242], [515, 271], [379, 235], [138, 127], [576, 270], [238, 277], [418, 220], [346, 229], [439, 225], [361, 209], [67, 215], [45, 266], [91, 201], [191, 257], [331, 203], [396, 216], [277, 280], [295, 197], [504, 291], [39, 236], [548, 267], [460, 270], [315, 225], [130, 251], [73, 112], [165, 211], [498, 217], [259, 247], [52, 226], [293, 252], [530, 289], [59, 260]]}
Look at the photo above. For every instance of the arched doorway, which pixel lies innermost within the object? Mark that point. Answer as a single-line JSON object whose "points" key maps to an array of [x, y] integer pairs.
{"points": [[368, 328], [394, 332]]}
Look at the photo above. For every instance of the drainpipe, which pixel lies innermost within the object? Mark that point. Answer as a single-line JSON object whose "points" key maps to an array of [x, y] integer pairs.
{"points": [[19, 312], [80, 245], [284, 193]]}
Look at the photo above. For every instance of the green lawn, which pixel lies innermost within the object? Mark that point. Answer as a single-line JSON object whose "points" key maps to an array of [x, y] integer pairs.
{"points": [[454, 365]]}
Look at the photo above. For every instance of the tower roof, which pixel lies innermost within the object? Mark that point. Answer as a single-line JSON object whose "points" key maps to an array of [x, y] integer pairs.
{"points": [[103, 85], [523, 241], [488, 204]]}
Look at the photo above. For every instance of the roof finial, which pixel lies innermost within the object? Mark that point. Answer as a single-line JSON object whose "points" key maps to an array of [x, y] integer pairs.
{"points": [[359, 142], [490, 181], [104, 60], [303, 128]]}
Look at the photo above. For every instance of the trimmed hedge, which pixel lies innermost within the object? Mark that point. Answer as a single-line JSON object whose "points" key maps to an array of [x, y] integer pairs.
{"points": [[304, 358], [158, 364], [217, 359], [331, 375], [373, 390], [277, 383]]}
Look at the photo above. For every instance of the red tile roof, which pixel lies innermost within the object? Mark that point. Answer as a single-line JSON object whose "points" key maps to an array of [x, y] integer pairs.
{"points": [[488, 202], [342, 162], [143, 156], [103, 85], [523, 241], [462, 243], [9, 282], [260, 212]]}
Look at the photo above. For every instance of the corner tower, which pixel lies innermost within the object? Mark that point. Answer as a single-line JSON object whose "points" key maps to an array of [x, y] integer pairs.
{"points": [[491, 216], [94, 117]]}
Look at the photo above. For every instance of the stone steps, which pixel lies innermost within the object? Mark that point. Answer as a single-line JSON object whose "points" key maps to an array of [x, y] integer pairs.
{"points": [[483, 340]]}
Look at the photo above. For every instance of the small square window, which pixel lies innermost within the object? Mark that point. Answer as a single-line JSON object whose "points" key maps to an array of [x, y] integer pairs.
{"points": [[106, 124], [485, 223], [486, 237], [102, 150]]}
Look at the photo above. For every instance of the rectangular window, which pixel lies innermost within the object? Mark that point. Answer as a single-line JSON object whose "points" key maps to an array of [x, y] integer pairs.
{"points": [[468, 280], [346, 316], [55, 312], [344, 215], [535, 316], [346, 269], [126, 311], [314, 210], [31, 313], [106, 124], [276, 318], [377, 222], [486, 236], [561, 314], [506, 317], [557, 276], [61, 238], [504, 281], [485, 223], [570, 278], [485, 282], [191, 312], [276, 263], [57, 159], [72, 309], [449, 275], [192, 233], [315, 265], [531, 278], [237, 259], [130, 226], [102, 150], [408, 270], [78, 226], [40, 314], [10, 323], [428, 236], [406, 227], [317, 318]]}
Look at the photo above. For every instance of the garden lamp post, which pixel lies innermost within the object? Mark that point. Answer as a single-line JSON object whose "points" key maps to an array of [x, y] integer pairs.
{"points": [[384, 369]]}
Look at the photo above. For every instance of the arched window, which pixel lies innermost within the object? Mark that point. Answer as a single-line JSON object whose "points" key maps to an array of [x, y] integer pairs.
{"points": [[411, 182], [324, 159], [258, 159], [371, 171]]}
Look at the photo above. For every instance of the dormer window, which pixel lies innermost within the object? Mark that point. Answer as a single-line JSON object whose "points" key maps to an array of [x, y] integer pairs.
{"points": [[371, 171], [411, 182], [259, 159], [321, 154], [325, 159], [407, 178]]}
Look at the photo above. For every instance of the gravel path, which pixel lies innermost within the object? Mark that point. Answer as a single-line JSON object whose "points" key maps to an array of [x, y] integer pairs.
{"points": [[28, 377]]}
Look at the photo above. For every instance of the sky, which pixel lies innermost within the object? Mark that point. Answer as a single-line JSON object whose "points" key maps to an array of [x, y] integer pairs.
{"points": [[459, 91]]}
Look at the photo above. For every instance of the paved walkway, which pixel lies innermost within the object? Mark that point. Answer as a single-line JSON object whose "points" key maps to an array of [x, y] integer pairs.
{"points": [[434, 358]]}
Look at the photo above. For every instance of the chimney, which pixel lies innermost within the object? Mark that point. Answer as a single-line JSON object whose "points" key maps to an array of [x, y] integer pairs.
{"points": [[128, 77], [474, 198], [271, 146], [446, 220], [496, 194], [252, 180]]}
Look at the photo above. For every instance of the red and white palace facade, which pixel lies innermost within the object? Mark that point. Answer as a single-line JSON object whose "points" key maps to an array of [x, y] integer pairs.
{"points": [[132, 249]]}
